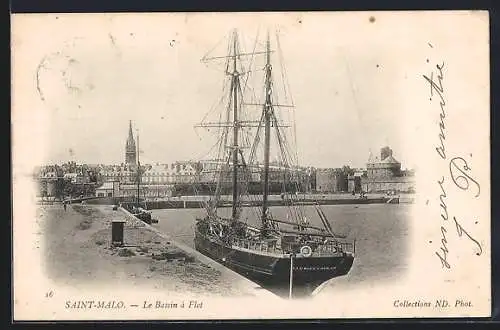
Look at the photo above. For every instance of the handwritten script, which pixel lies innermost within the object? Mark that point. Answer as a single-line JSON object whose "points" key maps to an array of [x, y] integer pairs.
{"points": [[460, 173]]}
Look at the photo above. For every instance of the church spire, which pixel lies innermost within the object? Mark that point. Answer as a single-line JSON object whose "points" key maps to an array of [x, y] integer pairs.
{"points": [[130, 134], [130, 151]]}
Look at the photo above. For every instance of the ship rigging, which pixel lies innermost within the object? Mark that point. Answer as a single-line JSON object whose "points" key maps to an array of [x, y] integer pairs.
{"points": [[272, 250]]}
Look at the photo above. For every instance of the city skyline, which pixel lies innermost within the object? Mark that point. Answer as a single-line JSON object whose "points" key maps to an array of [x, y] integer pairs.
{"points": [[131, 139], [153, 162], [149, 71]]}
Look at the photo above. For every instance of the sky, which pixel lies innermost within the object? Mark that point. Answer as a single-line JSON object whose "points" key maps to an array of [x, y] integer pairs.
{"points": [[353, 77]]}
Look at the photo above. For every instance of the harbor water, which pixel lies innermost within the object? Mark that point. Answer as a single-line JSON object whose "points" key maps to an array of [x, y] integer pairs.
{"points": [[380, 230]]}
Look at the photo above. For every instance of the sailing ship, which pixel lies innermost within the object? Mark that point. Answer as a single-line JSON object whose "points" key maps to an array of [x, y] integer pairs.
{"points": [[288, 250]]}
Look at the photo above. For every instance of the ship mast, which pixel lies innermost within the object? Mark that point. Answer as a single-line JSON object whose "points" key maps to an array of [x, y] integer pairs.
{"points": [[235, 147], [267, 134], [235, 123], [138, 171]]}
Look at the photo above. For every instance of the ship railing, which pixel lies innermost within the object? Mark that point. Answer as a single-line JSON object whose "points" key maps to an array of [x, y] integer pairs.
{"points": [[256, 246], [333, 248]]}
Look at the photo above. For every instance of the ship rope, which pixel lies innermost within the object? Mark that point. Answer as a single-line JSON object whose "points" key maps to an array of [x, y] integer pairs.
{"points": [[297, 211], [222, 136], [300, 212], [252, 157], [253, 148], [288, 88], [292, 178]]}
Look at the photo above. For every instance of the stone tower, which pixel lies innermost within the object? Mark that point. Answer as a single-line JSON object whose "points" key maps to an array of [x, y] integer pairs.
{"points": [[130, 149], [385, 152]]}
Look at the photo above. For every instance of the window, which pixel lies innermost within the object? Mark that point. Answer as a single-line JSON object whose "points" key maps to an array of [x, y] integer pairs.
{"points": [[110, 194], [100, 194]]}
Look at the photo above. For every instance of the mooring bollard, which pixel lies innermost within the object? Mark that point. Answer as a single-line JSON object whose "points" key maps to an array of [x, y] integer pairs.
{"points": [[117, 232]]}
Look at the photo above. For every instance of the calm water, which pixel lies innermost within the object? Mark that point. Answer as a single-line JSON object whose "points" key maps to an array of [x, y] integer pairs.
{"points": [[380, 230]]}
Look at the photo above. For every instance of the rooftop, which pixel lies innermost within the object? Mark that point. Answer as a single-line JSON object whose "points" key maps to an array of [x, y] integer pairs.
{"points": [[390, 160]]}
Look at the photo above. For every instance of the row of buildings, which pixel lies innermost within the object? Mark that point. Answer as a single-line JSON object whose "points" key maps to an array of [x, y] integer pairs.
{"points": [[381, 174]]}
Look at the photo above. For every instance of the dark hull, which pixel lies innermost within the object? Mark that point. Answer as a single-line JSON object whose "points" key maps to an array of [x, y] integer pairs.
{"points": [[273, 272]]}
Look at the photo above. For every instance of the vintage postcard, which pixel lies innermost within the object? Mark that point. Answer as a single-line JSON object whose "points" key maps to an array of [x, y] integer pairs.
{"points": [[208, 166]]}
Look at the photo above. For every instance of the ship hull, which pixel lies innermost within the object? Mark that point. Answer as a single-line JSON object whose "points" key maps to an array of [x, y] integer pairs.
{"points": [[273, 271]]}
